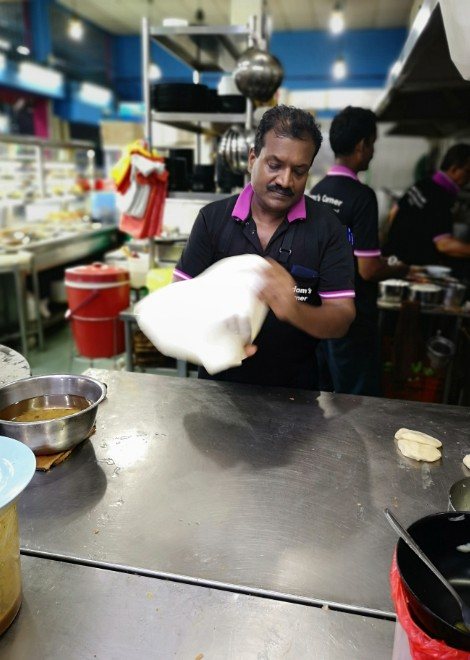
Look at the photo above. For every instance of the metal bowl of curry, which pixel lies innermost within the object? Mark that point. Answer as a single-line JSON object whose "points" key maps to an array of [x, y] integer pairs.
{"points": [[50, 414]]}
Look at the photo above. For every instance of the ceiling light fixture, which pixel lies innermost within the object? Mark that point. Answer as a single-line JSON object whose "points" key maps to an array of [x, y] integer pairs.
{"points": [[34, 74], [95, 95], [336, 23], [5, 44], [339, 70], [155, 73], [75, 28], [23, 50]]}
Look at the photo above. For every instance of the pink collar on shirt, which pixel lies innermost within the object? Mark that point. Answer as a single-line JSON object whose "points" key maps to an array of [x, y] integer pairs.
{"points": [[442, 180], [342, 170], [242, 207]]}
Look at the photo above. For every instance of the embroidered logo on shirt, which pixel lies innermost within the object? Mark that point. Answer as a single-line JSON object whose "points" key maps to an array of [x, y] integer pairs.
{"points": [[327, 200], [303, 293]]}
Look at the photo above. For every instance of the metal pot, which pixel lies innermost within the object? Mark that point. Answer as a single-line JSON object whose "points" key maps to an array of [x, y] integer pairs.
{"points": [[234, 148], [454, 294], [258, 74], [440, 351], [393, 290], [459, 495], [52, 435], [426, 294], [431, 605]]}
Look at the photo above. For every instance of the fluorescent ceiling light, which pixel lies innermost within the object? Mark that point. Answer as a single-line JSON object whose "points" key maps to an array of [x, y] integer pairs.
{"points": [[336, 24], [175, 22], [23, 50], [155, 73], [5, 44], [75, 29], [339, 69], [95, 95], [40, 76], [3, 61]]}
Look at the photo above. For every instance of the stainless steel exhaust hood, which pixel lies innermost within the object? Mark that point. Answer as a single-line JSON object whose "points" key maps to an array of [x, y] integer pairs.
{"points": [[425, 93]]}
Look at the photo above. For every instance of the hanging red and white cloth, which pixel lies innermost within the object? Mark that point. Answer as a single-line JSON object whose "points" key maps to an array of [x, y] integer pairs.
{"points": [[142, 182]]}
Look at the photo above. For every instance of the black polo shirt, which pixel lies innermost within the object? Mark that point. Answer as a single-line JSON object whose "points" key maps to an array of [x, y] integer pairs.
{"points": [[320, 262], [355, 205], [424, 216]]}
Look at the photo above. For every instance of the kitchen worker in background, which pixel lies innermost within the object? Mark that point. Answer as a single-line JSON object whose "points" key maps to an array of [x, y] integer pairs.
{"points": [[351, 364], [421, 223], [309, 287]]}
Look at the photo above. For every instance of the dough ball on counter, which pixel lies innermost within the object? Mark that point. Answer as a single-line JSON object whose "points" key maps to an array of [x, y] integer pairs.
{"points": [[466, 461], [417, 436], [419, 451]]}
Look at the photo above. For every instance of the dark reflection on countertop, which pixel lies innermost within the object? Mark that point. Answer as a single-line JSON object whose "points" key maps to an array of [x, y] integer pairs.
{"points": [[66, 490]]}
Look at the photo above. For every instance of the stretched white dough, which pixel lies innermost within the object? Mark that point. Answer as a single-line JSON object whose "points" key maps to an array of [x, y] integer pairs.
{"points": [[466, 461], [209, 319], [419, 451], [417, 436]]}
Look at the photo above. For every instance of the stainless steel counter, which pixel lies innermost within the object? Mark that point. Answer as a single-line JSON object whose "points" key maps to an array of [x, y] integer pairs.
{"points": [[13, 366], [76, 245], [265, 489], [80, 612]]}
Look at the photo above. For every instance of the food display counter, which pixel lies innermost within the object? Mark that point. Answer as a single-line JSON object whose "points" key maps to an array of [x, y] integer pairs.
{"points": [[55, 244], [263, 491]]}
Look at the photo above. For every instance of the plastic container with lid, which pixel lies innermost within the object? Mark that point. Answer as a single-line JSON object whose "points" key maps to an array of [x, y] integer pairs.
{"points": [[96, 294], [17, 466]]}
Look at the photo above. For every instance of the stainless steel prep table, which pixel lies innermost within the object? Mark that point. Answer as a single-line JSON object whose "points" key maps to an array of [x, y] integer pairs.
{"points": [[72, 611], [270, 490]]}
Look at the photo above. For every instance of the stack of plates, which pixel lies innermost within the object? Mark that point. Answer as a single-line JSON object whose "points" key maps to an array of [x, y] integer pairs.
{"points": [[182, 97]]}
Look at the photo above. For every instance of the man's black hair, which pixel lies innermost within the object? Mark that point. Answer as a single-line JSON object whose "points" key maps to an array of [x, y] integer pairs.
{"points": [[351, 126], [287, 121], [456, 156]]}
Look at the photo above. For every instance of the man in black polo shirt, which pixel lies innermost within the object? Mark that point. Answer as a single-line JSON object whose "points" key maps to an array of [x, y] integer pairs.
{"points": [[309, 286], [421, 229], [352, 364]]}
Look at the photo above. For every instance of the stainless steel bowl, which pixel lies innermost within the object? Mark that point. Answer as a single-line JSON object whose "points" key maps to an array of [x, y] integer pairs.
{"points": [[427, 294], [459, 495], [53, 435], [454, 294], [393, 290]]}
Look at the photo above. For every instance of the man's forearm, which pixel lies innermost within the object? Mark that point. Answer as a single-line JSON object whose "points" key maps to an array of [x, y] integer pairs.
{"points": [[376, 269], [330, 321], [452, 247]]}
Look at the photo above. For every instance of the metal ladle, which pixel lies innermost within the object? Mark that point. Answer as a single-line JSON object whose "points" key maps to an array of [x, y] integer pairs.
{"points": [[401, 531]]}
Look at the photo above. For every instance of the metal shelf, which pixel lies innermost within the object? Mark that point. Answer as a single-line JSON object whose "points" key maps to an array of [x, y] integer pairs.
{"points": [[203, 47], [207, 123], [30, 141]]}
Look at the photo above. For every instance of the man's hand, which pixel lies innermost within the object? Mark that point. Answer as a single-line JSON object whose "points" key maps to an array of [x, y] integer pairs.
{"points": [[278, 292], [331, 319], [241, 326]]}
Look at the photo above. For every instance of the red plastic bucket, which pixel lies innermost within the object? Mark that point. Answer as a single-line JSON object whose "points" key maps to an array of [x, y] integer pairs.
{"points": [[96, 293]]}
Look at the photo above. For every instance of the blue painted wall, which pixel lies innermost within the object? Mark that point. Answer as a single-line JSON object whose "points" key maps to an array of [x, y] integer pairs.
{"points": [[307, 57], [128, 66]]}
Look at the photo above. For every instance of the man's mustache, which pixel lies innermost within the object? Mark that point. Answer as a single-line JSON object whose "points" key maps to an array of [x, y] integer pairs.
{"points": [[279, 189]]}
